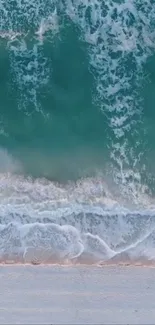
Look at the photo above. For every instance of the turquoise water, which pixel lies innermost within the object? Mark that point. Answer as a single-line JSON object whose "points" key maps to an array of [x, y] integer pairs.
{"points": [[72, 94], [52, 121], [77, 119]]}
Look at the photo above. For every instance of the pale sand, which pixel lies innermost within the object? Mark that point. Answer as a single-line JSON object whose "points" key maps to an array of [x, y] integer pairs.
{"points": [[77, 295]]}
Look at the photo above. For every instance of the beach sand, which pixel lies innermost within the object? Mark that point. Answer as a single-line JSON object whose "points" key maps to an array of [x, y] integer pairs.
{"points": [[77, 295]]}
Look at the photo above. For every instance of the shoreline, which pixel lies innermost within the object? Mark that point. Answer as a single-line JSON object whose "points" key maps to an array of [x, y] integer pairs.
{"points": [[78, 265]]}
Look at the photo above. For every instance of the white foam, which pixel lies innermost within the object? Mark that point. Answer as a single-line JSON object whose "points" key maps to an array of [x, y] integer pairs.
{"points": [[119, 34], [41, 221], [22, 22]]}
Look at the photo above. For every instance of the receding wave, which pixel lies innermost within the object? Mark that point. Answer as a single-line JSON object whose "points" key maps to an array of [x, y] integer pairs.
{"points": [[43, 222]]}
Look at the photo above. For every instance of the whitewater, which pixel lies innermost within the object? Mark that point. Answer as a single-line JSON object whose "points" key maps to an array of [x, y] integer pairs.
{"points": [[105, 216]]}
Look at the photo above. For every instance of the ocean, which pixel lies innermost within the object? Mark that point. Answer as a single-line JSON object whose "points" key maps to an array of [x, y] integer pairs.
{"points": [[77, 149]]}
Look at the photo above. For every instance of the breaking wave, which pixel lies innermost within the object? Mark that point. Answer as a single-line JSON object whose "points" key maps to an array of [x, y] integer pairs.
{"points": [[43, 222]]}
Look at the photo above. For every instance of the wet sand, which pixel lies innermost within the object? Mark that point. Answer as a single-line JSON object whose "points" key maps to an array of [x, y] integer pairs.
{"points": [[77, 295]]}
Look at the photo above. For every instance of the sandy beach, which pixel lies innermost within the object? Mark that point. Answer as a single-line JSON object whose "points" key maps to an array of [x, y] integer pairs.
{"points": [[77, 295]]}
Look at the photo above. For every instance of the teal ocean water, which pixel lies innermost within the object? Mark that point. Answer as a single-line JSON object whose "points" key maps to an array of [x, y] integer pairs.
{"points": [[77, 149]]}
